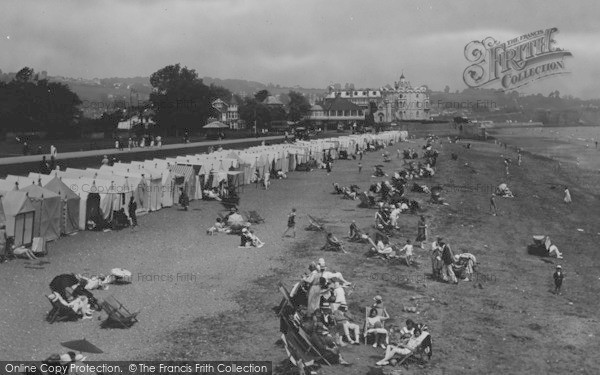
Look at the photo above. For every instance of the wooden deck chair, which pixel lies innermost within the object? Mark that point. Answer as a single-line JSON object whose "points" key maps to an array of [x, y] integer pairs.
{"points": [[59, 312], [117, 313], [254, 217], [424, 349], [365, 334], [315, 224]]}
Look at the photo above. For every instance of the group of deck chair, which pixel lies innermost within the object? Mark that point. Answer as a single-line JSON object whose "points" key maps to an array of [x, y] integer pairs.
{"points": [[118, 315], [305, 354]]}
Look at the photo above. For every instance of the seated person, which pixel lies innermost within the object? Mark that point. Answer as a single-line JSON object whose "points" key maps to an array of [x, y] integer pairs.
{"points": [[337, 188], [218, 227], [211, 194], [374, 324], [348, 193], [24, 252], [245, 238], [466, 263], [235, 220], [79, 305], [355, 234], [96, 282], [381, 248], [256, 242], [380, 220], [333, 244], [405, 347], [552, 249], [280, 174], [325, 343], [120, 219], [344, 319]]}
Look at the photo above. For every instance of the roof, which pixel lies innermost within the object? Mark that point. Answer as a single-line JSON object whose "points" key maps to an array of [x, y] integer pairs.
{"points": [[36, 191], [186, 171], [272, 100], [56, 185], [340, 104], [16, 202], [316, 107]]}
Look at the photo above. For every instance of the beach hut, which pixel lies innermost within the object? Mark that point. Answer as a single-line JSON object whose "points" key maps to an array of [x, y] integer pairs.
{"points": [[48, 211], [19, 215], [70, 205]]}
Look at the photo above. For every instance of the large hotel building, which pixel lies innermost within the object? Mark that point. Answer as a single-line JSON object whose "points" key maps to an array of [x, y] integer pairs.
{"points": [[399, 103]]}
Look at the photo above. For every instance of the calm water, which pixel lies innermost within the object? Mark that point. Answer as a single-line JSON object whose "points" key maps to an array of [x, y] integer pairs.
{"points": [[570, 144]]}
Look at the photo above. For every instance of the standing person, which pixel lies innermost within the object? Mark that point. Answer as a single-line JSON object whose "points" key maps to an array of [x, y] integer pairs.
{"points": [[132, 208], [506, 166], [267, 179], [328, 166], [421, 231], [291, 224], [360, 153], [105, 160], [53, 151], [25, 148], [567, 197], [448, 259], [314, 292], [184, 200], [3, 247], [398, 154], [558, 279], [53, 164], [129, 143], [159, 141], [493, 208], [44, 166], [359, 167], [519, 159]]}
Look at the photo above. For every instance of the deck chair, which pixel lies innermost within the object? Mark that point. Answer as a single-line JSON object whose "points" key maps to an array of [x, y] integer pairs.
{"points": [[117, 313], [329, 246], [255, 218], [59, 312], [424, 349], [315, 225], [365, 334]]}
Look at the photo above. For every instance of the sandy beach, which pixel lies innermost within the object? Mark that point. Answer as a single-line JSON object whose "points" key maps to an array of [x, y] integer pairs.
{"points": [[507, 320]]}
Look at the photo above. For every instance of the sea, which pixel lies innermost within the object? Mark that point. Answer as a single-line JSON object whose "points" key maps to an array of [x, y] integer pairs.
{"points": [[574, 146]]}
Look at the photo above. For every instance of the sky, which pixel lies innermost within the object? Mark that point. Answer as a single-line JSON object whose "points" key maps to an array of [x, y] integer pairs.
{"points": [[311, 43]]}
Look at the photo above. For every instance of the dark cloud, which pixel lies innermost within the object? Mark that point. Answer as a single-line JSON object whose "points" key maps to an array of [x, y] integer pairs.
{"points": [[308, 42]]}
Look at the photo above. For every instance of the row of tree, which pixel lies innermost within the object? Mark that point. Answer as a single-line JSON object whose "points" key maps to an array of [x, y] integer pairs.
{"points": [[179, 101], [29, 105]]}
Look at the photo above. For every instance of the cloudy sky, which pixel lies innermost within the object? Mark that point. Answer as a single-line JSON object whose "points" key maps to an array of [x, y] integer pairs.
{"points": [[311, 43]]}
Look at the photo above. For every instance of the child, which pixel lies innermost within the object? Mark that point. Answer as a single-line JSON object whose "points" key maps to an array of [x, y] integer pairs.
{"points": [[291, 224], [558, 279], [408, 252]]}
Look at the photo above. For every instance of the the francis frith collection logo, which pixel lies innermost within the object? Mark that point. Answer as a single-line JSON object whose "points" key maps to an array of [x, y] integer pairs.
{"points": [[516, 62]]}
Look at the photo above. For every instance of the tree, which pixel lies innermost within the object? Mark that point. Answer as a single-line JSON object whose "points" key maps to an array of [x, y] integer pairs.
{"points": [[28, 105], [261, 95], [299, 106], [181, 100], [24, 75]]}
